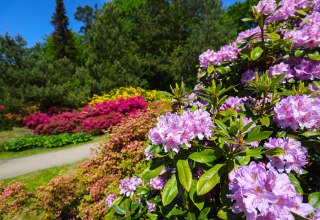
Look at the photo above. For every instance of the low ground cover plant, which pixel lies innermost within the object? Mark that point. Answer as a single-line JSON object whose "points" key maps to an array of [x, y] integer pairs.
{"points": [[45, 141]]}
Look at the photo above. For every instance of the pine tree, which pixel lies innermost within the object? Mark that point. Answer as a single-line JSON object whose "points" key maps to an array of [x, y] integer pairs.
{"points": [[62, 36]]}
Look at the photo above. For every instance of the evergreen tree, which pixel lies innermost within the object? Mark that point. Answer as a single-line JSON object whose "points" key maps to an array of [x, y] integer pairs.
{"points": [[62, 36]]}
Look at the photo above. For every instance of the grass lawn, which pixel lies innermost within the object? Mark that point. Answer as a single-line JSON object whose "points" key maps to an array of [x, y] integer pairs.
{"points": [[42, 177], [4, 155], [14, 134]]}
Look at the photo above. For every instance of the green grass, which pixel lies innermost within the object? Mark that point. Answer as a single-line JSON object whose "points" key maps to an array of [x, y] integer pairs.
{"points": [[42, 177], [11, 155], [14, 134]]}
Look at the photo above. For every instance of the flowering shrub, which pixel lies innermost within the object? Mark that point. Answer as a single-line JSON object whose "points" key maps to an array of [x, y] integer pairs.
{"points": [[13, 198], [93, 119], [83, 194], [125, 93], [246, 145]]}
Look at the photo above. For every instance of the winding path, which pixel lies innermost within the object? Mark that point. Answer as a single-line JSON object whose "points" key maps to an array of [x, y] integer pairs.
{"points": [[19, 166]]}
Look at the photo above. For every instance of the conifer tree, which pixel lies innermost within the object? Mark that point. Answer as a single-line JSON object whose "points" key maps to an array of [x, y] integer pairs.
{"points": [[62, 37]]}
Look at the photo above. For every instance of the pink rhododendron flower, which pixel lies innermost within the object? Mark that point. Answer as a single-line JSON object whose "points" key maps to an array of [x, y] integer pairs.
{"points": [[264, 194], [110, 199], [173, 130], [266, 7], [129, 185], [294, 157], [158, 182], [298, 111]]}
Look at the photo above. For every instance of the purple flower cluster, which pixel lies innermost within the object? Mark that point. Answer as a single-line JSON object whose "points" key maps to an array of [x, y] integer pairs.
{"points": [[129, 185], [298, 111], [308, 34], [233, 102], [158, 182], [151, 206], [248, 75], [266, 7], [173, 130], [294, 157], [281, 68], [307, 69], [264, 194], [227, 53], [110, 199]]}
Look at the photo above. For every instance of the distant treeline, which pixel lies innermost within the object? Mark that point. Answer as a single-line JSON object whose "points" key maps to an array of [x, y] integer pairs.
{"points": [[146, 43]]}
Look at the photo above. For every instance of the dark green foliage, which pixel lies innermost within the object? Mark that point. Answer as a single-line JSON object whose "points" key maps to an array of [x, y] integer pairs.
{"points": [[241, 10], [145, 43], [62, 36], [50, 141]]}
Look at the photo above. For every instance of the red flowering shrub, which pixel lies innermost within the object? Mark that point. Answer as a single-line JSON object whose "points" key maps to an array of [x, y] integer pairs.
{"points": [[13, 199], [93, 119]]}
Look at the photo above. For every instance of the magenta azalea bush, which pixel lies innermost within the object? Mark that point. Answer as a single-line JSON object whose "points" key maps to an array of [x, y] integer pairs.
{"points": [[245, 143], [93, 119]]}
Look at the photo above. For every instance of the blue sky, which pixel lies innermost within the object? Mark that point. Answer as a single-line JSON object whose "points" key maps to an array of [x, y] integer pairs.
{"points": [[31, 18]]}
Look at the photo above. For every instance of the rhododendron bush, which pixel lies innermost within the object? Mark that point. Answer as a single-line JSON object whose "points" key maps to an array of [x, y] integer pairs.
{"points": [[94, 119], [245, 143]]}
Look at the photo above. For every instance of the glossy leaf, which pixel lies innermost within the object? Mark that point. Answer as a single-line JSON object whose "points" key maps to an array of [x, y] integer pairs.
{"points": [[256, 53], [198, 201], [274, 152], [210, 179], [149, 174], [184, 174], [294, 181], [258, 137], [170, 191], [314, 199], [205, 156]]}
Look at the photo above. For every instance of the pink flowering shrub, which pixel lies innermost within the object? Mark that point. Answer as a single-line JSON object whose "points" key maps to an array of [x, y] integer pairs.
{"points": [[83, 194], [13, 199], [94, 119]]}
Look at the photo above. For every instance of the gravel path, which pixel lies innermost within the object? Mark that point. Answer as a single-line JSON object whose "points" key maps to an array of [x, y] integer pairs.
{"points": [[19, 166]]}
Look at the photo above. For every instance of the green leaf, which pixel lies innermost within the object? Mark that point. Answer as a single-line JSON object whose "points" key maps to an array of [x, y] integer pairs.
{"points": [[224, 69], [202, 74], [184, 174], [205, 156], [221, 125], [311, 133], [191, 216], [154, 149], [247, 19], [198, 201], [242, 160], [118, 210], [210, 69], [256, 53], [314, 199], [204, 213], [150, 174], [298, 53], [142, 191], [273, 36], [258, 137], [265, 121], [298, 217], [152, 216], [255, 152], [314, 56], [302, 12], [294, 181], [170, 191], [210, 179], [274, 152], [226, 213]]}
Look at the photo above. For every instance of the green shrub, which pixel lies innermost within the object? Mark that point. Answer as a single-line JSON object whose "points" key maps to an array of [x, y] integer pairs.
{"points": [[50, 141]]}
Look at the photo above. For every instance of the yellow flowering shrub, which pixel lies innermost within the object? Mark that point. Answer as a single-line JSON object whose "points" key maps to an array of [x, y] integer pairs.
{"points": [[129, 92]]}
